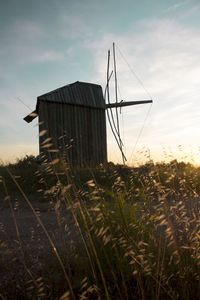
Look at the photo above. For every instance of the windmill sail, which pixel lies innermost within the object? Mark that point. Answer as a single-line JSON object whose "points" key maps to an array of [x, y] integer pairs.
{"points": [[115, 128]]}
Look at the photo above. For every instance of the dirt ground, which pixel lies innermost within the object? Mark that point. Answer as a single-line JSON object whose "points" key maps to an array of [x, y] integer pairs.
{"points": [[31, 243]]}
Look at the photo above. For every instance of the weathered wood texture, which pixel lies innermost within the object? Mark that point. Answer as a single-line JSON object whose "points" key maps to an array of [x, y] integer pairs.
{"points": [[74, 117]]}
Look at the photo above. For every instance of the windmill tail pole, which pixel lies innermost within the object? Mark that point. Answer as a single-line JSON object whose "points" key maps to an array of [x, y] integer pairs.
{"points": [[120, 104]]}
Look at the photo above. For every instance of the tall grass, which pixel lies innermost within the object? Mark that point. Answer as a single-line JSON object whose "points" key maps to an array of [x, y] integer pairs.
{"points": [[137, 234]]}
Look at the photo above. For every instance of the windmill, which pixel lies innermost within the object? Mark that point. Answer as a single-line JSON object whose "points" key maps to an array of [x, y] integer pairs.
{"points": [[72, 121]]}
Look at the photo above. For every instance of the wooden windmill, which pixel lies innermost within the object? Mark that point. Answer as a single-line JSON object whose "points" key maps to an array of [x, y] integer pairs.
{"points": [[72, 121]]}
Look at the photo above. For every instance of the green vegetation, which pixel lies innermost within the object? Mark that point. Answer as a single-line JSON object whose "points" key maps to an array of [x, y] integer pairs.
{"points": [[135, 232]]}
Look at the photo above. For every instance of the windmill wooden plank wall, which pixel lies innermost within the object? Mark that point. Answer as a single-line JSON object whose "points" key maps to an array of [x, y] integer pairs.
{"points": [[74, 117]]}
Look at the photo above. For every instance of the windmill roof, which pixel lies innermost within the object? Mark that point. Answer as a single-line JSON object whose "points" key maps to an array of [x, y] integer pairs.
{"points": [[77, 93]]}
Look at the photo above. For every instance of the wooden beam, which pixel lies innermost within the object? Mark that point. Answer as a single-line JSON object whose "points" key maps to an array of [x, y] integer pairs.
{"points": [[30, 117], [120, 104]]}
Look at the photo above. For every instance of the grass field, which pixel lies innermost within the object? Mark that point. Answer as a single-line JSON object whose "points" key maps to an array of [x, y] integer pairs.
{"points": [[134, 232]]}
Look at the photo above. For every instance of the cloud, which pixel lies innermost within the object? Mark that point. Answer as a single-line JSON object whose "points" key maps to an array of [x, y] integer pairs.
{"points": [[184, 10], [25, 44], [45, 56], [26, 30], [165, 56], [74, 27], [176, 6]]}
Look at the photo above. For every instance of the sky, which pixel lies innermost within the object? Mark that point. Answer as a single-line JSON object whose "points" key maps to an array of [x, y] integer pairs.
{"points": [[47, 44]]}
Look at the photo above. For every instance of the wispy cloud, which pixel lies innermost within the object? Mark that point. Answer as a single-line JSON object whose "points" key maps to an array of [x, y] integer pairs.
{"points": [[183, 10], [46, 56], [189, 12], [166, 58], [74, 27], [176, 6], [26, 45], [26, 30]]}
